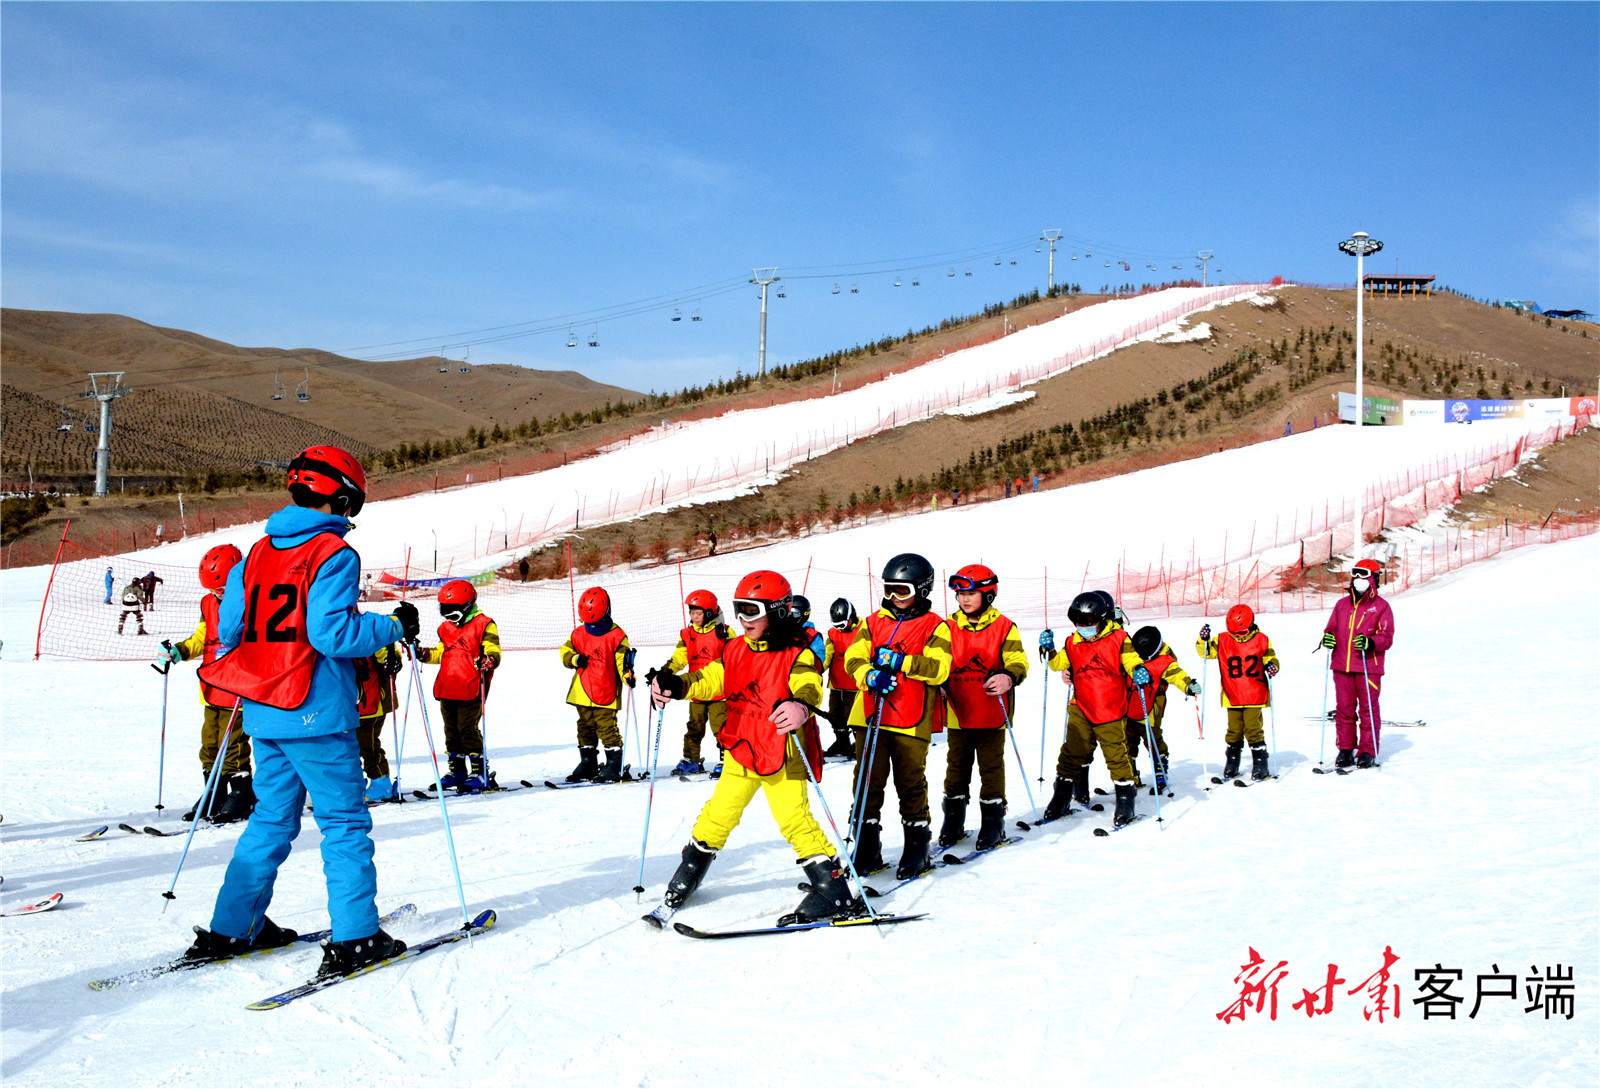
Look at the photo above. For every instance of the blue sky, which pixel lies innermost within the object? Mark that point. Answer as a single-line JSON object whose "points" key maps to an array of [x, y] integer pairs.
{"points": [[346, 175]]}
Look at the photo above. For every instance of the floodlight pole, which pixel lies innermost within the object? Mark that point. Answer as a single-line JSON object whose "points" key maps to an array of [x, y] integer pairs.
{"points": [[764, 276], [1359, 246], [105, 387], [1051, 237]]}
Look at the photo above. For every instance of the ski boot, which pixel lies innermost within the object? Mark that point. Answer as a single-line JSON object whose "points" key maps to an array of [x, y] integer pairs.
{"points": [[380, 790], [588, 767], [1126, 792], [209, 945], [914, 856], [955, 817], [1162, 773], [241, 799], [217, 799], [993, 828], [477, 779], [868, 853], [829, 893], [456, 775], [612, 772], [1060, 803], [1258, 763], [686, 766], [342, 958], [1345, 759], [691, 871], [1230, 765], [842, 746], [1365, 760], [716, 772], [1080, 786]]}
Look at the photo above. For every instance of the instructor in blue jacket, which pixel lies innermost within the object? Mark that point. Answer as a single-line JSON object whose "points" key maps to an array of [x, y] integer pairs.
{"points": [[290, 620]]}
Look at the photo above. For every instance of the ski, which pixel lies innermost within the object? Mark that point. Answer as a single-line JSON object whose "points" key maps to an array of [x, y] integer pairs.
{"points": [[660, 916], [139, 974], [626, 778], [962, 860], [1097, 807], [431, 795], [483, 922], [1234, 779], [36, 907], [96, 834], [857, 920], [1404, 724], [1137, 817], [1355, 768]]}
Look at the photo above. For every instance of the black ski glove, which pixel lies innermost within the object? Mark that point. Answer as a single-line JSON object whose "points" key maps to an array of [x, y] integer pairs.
{"points": [[580, 660], [410, 623]]}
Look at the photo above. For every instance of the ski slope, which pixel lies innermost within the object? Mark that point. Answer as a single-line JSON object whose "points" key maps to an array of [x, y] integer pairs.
{"points": [[1068, 959]]}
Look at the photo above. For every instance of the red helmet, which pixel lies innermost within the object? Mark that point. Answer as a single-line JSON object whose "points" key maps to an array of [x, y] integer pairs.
{"points": [[215, 565], [1371, 568], [974, 576], [457, 592], [1240, 619], [768, 586], [594, 605], [702, 599], [328, 473]]}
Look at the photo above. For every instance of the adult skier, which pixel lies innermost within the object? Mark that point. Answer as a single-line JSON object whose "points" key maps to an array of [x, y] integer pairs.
{"points": [[898, 661], [467, 652], [1152, 665], [233, 798], [842, 631], [1246, 661], [110, 582], [988, 662], [132, 605], [772, 684], [289, 619], [598, 653], [699, 645], [1092, 661], [1359, 631]]}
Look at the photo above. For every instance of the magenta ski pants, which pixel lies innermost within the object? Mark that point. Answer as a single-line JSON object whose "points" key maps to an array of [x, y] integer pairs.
{"points": [[1355, 704]]}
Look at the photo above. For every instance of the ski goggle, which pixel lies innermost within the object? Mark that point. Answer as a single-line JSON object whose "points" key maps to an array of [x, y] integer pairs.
{"points": [[961, 584], [899, 590], [746, 608]]}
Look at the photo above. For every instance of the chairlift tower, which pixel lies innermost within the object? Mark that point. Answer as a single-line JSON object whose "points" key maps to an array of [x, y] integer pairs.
{"points": [[1360, 246], [763, 277], [105, 387], [1204, 257], [1052, 237]]}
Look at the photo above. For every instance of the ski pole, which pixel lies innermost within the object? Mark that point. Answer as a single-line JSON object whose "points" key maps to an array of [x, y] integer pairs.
{"points": [[1373, 724], [161, 765], [444, 810], [1157, 781], [844, 851], [1322, 740], [1272, 717], [649, 802], [1044, 717], [400, 731], [1032, 805], [485, 677], [204, 804], [864, 773], [1205, 765]]}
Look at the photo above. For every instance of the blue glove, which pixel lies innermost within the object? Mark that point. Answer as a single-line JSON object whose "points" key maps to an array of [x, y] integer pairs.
{"points": [[887, 658], [167, 655], [1361, 643], [1141, 676], [881, 682], [1047, 643]]}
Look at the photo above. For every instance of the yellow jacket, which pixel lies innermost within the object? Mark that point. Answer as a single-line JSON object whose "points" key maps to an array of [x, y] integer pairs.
{"points": [[931, 667], [1013, 657], [575, 693], [805, 678]]}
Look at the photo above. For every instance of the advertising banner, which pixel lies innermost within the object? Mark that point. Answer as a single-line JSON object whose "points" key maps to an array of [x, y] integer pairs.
{"points": [[1377, 410], [1468, 411], [1423, 411]]}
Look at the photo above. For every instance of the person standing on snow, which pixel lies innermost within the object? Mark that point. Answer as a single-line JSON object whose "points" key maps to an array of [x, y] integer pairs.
{"points": [[468, 650], [1246, 662], [700, 644], [374, 684], [1152, 665], [110, 582], [1359, 631], [290, 623], [602, 662], [841, 633]]}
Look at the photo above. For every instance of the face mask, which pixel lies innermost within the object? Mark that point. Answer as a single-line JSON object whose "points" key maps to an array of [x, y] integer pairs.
{"points": [[1088, 633], [1360, 584]]}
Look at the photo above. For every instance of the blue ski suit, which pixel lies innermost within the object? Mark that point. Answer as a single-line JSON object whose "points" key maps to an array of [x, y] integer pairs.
{"points": [[310, 749]]}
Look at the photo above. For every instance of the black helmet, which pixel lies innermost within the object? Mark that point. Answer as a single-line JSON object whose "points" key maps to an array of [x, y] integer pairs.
{"points": [[842, 613], [1147, 640], [1090, 609], [914, 570], [800, 608]]}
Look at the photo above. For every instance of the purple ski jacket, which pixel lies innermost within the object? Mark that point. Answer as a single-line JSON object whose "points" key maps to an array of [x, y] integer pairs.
{"points": [[1372, 617]]}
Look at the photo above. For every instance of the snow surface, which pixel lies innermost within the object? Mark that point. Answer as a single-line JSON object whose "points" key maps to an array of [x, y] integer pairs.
{"points": [[1068, 959], [994, 403], [1199, 332]]}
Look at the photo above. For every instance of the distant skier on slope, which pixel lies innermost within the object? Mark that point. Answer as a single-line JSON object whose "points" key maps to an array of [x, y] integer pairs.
{"points": [[290, 621], [1246, 662], [1359, 631], [772, 683], [700, 644], [468, 650], [598, 653]]}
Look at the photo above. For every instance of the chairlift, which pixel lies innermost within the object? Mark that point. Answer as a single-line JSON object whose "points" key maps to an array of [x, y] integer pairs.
{"points": [[836, 287], [1087, 255], [594, 336], [897, 281], [914, 281], [1176, 265], [1013, 260], [277, 387], [572, 338], [677, 315], [1125, 266], [1074, 255], [997, 260], [465, 365], [694, 315], [969, 270], [781, 293], [854, 288], [1108, 264], [1038, 248], [89, 424], [66, 422], [302, 392], [952, 271]]}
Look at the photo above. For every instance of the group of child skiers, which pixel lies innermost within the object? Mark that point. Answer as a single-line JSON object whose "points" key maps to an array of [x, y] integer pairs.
{"points": [[885, 682]]}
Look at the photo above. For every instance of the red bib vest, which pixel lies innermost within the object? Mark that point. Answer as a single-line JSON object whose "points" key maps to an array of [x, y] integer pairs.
{"points": [[752, 684], [274, 660], [703, 647], [977, 654], [902, 707], [458, 677], [599, 678], [1099, 686], [838, 679], [210, 608], [1240, 663], [369, 687], [1158, 684]]}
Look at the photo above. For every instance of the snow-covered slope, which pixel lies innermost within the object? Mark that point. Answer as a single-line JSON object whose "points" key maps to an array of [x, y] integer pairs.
{"points": [[1068, 959]]}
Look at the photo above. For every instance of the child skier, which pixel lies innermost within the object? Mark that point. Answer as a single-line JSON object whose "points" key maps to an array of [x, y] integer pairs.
{"points": [[289, 616], [375, 694], [598, 652], [988, 664], [772, 684], [467, 652], [1152, 665], [1359, 631], [234, 797], [841, 633], [1092, 661], [699, 645], [897, 661], [1246, 660]]}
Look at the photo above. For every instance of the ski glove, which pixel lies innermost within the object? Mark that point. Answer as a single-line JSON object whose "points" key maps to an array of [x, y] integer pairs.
{"points": [[1271, 669], [1141, 676], [167, 655], [1205, 632], [1361, 643], [880, 681], [580, 660], [1193, 689], [393, 661], [1330, 640], [486, 664], [665, 686], [999, 683], [410, 624], [789, 715], [888, 658], [1047, 644], [629, 679]]}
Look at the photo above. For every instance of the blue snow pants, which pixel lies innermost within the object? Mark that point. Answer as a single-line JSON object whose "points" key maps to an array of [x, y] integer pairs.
{"points": [[329, 768]]}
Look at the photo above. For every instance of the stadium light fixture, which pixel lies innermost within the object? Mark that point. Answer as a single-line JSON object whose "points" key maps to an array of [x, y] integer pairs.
{"points": [[1360, 246]]}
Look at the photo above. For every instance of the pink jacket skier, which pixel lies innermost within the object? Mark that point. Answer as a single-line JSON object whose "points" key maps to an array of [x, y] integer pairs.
{"points": [[1358, 633]]}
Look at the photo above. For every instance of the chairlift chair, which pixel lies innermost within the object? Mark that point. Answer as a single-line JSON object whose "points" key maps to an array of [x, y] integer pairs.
{"points": [[969, 270], [277, 387], [897, 281], [952, 271], [1038, 248], [572, 338], [66, 422], [594, 336], [854, 288], [914, 281], [302, 392], [781, 293], [836, 287], [997, 260], [677, 315], [89, 424], [694, 315], [1013, 260]]}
